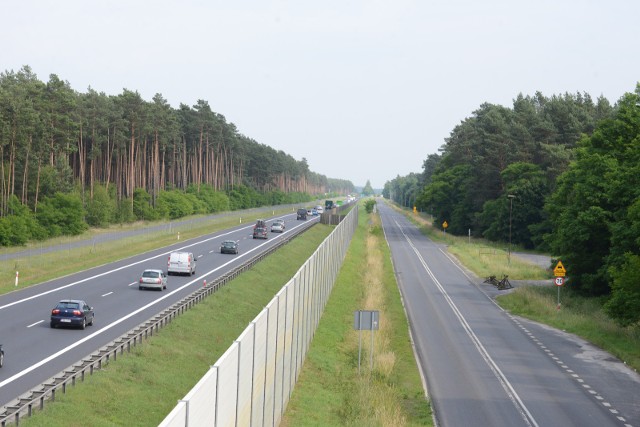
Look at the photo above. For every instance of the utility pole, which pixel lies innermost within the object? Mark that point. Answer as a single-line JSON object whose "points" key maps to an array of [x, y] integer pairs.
{"points": [[511, 197]]}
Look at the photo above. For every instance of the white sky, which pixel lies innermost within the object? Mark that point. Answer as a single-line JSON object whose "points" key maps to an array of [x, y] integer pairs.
{"points": [[364, 90]]}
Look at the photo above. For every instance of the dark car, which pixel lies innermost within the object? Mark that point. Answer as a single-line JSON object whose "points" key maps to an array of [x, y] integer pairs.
{"points": [[229, 247], [1, 356], [72, 312], [259, 233], [302, 213]]}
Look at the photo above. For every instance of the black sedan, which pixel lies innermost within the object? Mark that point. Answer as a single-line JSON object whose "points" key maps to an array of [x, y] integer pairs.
{"points": [[72, 312], [229, 247]]}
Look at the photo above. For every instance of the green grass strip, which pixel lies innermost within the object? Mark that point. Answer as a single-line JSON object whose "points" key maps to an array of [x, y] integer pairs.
{"points": [[330, 391]]}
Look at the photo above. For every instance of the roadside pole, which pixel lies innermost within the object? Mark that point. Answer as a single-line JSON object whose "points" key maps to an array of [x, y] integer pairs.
{"points": [[559, 272]]}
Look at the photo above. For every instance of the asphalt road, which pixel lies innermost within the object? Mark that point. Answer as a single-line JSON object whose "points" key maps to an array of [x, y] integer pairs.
{"points": [[34, 352], [484, 367]]}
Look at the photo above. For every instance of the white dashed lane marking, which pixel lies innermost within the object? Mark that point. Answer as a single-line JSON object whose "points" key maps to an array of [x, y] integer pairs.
{"points": [[571, 373]]}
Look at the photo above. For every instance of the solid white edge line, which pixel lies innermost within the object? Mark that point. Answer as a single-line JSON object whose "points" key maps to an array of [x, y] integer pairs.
{"points": [[513, 395]]}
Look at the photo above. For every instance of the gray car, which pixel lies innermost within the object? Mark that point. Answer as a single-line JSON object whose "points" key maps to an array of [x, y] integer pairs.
{"points": [[153, 279], [229, 247]]}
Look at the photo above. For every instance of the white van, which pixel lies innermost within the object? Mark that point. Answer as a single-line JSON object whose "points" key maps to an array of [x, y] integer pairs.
{"points": [[181, 263]]}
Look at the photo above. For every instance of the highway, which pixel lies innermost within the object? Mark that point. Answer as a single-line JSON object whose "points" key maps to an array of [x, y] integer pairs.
{"points": [[485, 367], [34, 352]]}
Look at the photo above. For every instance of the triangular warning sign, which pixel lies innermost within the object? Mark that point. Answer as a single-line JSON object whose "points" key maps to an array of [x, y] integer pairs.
{"points": [[559, 270]]}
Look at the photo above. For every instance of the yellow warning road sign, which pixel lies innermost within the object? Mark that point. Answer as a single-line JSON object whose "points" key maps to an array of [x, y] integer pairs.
{"points": [[559, 271], [445, 225]]}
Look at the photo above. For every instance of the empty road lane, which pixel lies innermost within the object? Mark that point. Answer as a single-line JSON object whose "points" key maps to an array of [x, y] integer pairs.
{"points": [[484, 367]]}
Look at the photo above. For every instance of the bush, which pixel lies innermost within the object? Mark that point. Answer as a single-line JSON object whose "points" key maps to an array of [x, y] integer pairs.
{"points": [[369, 204], [124, 211], [215, 201], [62, 214], [20, 225], [243, 197], [174, 204], [100, 208], [13, 231], [624, 304], [143, 206]]}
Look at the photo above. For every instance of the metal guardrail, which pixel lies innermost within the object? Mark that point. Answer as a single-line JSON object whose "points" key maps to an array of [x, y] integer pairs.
{"points": [[35, 399]]}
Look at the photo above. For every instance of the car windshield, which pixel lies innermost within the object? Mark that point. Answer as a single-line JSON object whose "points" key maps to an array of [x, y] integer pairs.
{"points": [[153, 274], [228, 244]]}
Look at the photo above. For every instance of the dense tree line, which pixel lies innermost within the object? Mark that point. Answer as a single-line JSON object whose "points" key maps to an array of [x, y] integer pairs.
{"points": [[124, 157], [559, 174]]}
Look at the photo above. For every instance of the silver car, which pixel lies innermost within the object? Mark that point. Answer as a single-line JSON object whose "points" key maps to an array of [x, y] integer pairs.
{"points": [[153, 279], [277, 227]]}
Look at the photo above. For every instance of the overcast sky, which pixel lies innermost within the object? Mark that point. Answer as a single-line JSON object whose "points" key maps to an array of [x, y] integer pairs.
{"points": [[364, 90]]}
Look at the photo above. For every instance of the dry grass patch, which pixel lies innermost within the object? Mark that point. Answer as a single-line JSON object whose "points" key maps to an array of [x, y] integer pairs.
{"points": [[377, 396]]}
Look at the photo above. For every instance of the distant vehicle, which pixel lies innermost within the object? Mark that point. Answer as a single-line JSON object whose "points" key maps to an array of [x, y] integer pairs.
{"points": [[314, 212], [302, 214], [281, 221], [1, 356], [72, 312], [277, 227], [259, 233], [229, 247], [328, 204], [153, 279], [309, 212], [181, 263], [320, 209]]}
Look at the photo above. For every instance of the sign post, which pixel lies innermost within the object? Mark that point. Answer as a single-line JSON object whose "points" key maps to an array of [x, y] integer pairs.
{"points": [[444, 227], [365, 320], [559, 271]]}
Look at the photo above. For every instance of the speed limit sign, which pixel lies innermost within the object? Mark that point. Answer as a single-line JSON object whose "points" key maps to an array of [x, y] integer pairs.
{"points": [[559, 281]]}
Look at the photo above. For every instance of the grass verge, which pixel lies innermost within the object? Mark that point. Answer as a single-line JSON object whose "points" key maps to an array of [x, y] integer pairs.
{"points": [[140, 389], [330, 391], [482, 257]]}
